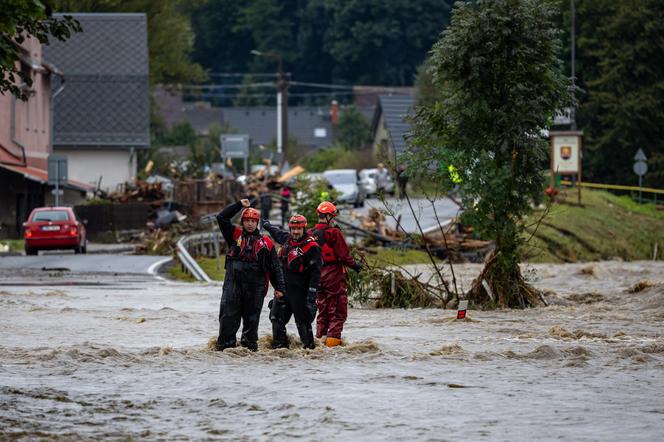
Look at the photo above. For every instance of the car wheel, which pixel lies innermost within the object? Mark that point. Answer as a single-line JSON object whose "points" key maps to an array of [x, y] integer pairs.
{"points": [[31, 252], [362, 203]]}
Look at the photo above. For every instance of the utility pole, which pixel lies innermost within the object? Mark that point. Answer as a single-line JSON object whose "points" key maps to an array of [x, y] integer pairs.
{"points": [[282, 104], [573, 63]]}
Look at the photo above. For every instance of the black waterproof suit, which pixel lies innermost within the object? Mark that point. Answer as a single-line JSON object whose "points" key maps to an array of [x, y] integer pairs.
{"points": [[251, 262], [301, 262]]}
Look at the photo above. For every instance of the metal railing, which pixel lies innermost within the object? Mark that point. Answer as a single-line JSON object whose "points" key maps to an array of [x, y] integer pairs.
{"points": [[200, 244]]}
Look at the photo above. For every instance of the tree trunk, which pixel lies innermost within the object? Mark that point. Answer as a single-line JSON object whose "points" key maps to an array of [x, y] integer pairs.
{"points": [[501, 285]]}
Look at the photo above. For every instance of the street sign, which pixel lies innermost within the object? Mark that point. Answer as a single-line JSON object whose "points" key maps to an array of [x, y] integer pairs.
{"points": [[640, 168], [234, 146], [58, 192], [566, 153], [640, 156], [57, 169]]}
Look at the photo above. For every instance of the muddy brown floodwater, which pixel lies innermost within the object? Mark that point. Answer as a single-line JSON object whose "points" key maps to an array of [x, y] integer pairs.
{"points": [[126, 356]]}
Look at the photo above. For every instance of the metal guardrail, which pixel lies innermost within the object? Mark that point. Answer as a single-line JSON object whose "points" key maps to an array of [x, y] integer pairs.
{"points": [[205, 244], [188, 261]]}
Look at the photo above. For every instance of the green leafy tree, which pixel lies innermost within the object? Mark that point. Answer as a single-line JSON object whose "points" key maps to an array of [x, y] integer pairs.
{"points": [[170, 37], [19, 20], [353, 41], [382, 42], [620, 57], [500, 80], [353, 130]]}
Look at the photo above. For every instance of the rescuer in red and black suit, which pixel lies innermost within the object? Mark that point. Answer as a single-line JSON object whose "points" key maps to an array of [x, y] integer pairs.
{"points": [[332, 297], [251, 262], [301, 262]]}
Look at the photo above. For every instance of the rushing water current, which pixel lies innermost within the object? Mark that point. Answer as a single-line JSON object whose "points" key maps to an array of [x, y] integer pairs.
{"points": [[115, 357]]}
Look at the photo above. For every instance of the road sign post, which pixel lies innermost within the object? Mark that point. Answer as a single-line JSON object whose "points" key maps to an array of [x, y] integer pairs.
{"points": [[640, 168], [57, 174], [235, 146], [566, 156]]}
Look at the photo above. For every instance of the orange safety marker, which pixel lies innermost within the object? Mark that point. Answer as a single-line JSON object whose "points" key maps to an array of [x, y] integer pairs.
{"points": [[461, 310]]}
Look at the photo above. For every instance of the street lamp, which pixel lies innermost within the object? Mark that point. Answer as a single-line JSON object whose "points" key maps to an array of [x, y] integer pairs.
{"points": [[282, 102]]}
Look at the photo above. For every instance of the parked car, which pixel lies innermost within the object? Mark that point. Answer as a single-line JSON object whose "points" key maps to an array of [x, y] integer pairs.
{"points": [[383, 179], [53, 228], [368, 180], [347, 183]]}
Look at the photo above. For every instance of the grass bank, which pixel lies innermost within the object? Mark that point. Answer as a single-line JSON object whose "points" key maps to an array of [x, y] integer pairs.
{"points": [[605, 226], [209, 265]]}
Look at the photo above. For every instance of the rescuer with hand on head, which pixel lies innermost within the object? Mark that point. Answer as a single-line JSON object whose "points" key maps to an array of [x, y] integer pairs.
{"points": [[251, 261], [332, 297]]}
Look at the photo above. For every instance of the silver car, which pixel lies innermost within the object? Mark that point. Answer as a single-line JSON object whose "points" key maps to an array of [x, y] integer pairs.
{"points": [[347, 183]]}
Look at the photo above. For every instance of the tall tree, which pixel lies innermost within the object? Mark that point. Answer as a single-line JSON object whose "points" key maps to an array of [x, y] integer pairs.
{"points": [[621, 71], [20, 20], [500, 80], [354, 41], [170, 37], [382, 42]]}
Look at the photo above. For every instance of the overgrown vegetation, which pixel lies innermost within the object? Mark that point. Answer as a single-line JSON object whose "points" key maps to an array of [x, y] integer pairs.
{"points": [[309, 194]]}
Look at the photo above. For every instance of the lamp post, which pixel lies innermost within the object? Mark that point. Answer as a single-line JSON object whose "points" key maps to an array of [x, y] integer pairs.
{"points": [[282, 103]]}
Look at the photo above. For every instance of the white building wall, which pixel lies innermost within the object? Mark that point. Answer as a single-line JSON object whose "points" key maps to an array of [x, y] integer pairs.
{"points": [[115, 167]]}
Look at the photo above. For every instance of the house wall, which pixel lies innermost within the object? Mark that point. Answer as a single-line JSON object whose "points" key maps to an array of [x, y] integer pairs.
{"points": [[382, 140], [25, 125], [18, 196], [115, 167]]}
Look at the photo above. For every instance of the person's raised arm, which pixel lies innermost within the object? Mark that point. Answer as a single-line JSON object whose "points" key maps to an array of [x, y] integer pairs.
{"points": [[279, 235], [226, 215]]}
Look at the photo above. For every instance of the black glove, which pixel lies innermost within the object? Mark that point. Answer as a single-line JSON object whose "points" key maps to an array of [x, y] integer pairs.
{"points": [[266, 223], [311, 302], [358, 267]]}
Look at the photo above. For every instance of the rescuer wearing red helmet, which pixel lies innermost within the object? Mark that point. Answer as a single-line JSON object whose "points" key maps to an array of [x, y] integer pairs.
{"points": [[332, 299], [301, 263], [251, 262]]}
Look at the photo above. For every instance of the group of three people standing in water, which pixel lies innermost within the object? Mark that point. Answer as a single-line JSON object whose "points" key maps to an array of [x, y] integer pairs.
{"points": [[308, 276]]}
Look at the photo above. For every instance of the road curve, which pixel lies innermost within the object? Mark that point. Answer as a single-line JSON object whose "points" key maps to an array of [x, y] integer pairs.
{"points": [[129, 264]]}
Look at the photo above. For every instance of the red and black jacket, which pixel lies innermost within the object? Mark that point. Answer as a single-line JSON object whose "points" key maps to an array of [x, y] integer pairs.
{"points": [[300, 259], [253, 249]]}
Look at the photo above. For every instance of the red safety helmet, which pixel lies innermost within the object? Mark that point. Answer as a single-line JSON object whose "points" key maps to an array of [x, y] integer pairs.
{"points": [[327, 208], [250, 213], [297, 221]]}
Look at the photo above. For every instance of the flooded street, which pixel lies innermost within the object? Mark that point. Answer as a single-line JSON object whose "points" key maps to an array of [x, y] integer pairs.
{"points": [[115, 356]]}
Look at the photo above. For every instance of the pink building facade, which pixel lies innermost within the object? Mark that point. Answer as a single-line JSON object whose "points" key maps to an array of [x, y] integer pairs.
{"points": [[26, 142], [25, 126]]}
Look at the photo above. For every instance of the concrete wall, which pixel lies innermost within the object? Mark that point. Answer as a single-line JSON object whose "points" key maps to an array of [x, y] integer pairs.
{"points": [[25, 125], [115, 167]]}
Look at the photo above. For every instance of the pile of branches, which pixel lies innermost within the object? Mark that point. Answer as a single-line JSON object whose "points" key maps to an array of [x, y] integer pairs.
{"points": [[395, 286], [141, 191]]}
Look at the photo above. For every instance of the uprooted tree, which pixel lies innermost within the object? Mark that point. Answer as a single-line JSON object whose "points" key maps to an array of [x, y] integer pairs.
{"points": [[499, 80]]}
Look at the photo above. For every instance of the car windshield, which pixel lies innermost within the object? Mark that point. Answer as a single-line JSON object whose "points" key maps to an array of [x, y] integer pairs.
{"points": [[341, 177], [51, 215]]}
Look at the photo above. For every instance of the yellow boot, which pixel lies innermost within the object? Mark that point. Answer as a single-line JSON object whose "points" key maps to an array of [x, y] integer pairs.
{"points": [[332, 342]]}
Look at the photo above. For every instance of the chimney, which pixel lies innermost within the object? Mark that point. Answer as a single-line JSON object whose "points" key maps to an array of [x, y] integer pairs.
{"points": [[334, 112]]}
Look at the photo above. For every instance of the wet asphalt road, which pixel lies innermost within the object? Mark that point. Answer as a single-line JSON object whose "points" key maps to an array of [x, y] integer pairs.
{"points": [[446, 209], [132, 264]]}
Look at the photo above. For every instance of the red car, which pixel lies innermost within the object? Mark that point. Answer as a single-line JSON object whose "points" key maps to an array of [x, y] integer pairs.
{"points": [[49, 228]]}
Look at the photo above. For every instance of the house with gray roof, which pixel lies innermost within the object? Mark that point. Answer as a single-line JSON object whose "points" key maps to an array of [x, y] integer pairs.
{"points": [[390, 126], [102, 116]]}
